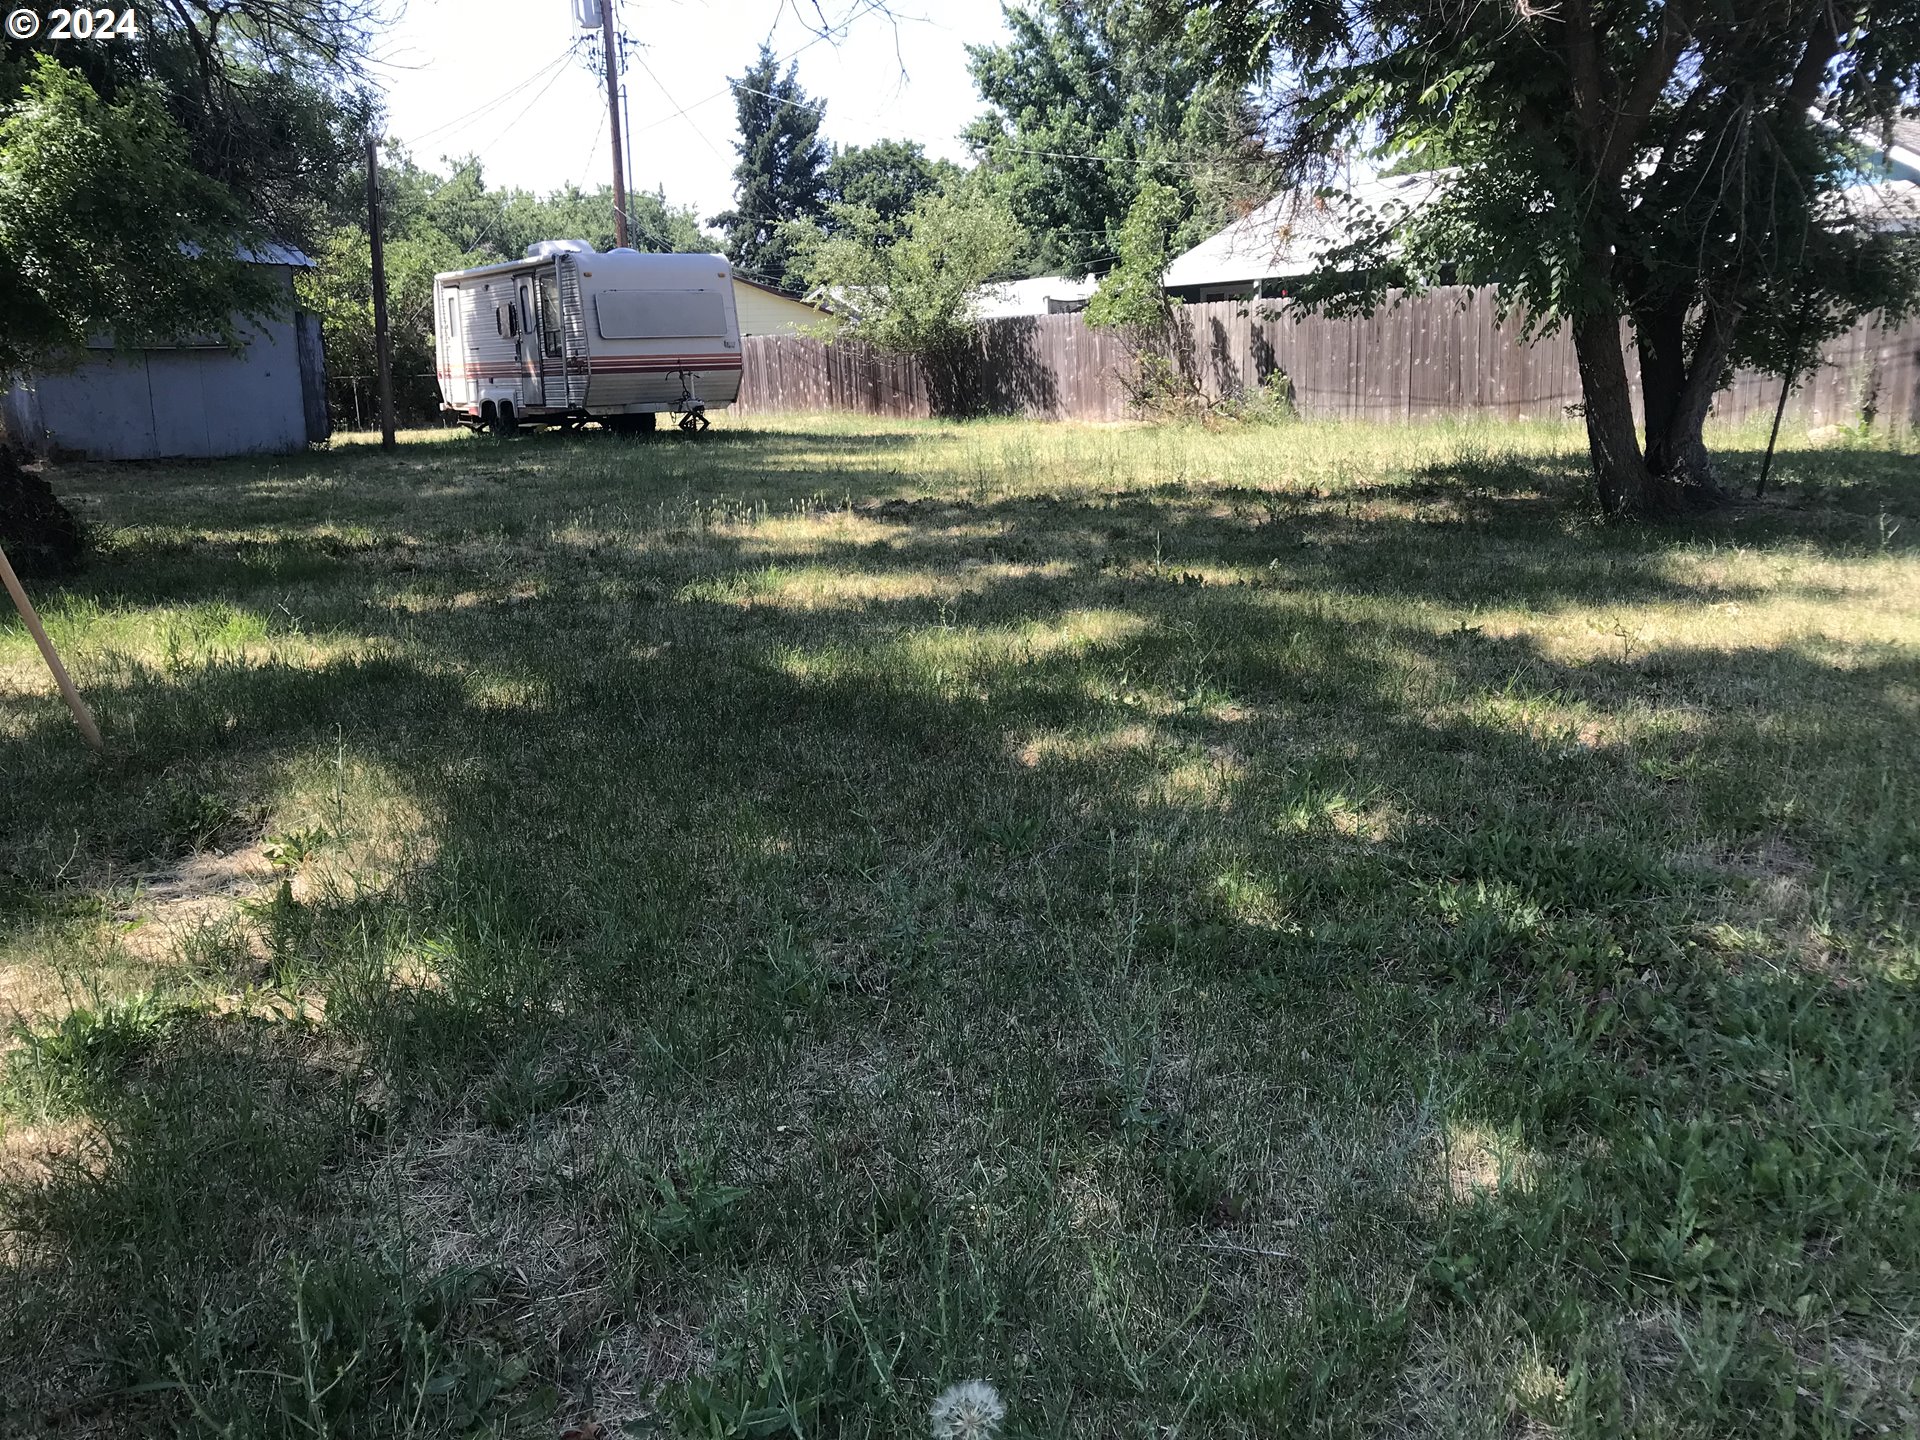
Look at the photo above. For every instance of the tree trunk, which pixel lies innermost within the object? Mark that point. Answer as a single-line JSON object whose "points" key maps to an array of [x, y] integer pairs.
{"points": [[1660, 336], [1677, 447], [1622, 482]]}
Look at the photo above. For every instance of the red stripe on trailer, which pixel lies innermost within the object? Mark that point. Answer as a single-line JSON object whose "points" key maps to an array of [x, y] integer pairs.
{"points": [[609, 364]]}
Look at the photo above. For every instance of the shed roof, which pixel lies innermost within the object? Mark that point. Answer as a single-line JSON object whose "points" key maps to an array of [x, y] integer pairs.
{"points": [[1292, 232], [1030, 297]]}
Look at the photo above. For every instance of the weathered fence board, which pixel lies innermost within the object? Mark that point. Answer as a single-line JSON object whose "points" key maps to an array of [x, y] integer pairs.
{"points": [[1448, 352]]}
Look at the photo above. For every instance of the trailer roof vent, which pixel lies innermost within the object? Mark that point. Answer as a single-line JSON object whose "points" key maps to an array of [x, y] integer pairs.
{"points": [[541, 249]]}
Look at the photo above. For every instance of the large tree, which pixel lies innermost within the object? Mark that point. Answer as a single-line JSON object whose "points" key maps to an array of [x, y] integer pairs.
{"points": [[780, 176], [884, 179], [1678, 164], [1090, 100], [133, 172]]}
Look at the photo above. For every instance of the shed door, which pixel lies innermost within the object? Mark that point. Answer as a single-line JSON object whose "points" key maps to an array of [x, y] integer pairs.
{"points": [[181, 406]]}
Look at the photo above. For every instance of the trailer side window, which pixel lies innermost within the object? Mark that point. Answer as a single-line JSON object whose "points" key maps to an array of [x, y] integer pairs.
{"points": [[550, 316], [526, 310], [500, 319]]}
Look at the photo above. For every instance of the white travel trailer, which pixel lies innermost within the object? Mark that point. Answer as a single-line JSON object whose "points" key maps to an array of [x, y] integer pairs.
{"points": [[571, 334]]}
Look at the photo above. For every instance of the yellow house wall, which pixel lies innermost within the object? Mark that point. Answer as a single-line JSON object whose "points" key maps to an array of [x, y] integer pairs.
{"points": [[764, 314]]}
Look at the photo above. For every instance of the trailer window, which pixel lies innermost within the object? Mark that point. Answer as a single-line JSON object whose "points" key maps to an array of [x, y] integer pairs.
{"points": [[526, 310], [659, 314], [550, 316], [499, 320]]}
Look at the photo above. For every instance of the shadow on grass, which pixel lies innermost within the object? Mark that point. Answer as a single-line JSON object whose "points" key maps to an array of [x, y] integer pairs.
{"points": [[1224, 912]]}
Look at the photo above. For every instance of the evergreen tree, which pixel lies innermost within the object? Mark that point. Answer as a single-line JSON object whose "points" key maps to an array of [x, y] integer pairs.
{"points": [[780, 176]]}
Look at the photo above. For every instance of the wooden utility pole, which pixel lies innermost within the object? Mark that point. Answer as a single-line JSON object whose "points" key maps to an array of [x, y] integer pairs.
{"points": [[82, 716], [383, 339], [613, 129]]}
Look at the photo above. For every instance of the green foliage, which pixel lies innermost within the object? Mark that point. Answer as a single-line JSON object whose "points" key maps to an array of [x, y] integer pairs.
{"points": [[882, 181], [781, 181], [918, 294], [62, 1068], [360, 1335], [1130, 293], [776, 1379], [1089, 103], [107, 229]]}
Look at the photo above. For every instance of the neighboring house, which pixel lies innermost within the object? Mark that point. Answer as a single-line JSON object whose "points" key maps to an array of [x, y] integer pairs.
{"points": [[1046, 295], [195, 399], [1285, 239], [1899, 148], [1888, 197], [764, 310]]}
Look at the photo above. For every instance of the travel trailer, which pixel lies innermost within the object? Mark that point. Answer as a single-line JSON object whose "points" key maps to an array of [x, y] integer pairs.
{"points": [[571, 334]]}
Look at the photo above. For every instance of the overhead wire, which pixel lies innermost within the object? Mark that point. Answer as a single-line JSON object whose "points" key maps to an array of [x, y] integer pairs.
{"points": [[552, 80], [559, 60]]}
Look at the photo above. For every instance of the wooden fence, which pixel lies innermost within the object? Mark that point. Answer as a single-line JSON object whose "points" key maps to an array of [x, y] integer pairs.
{"points": [[1447, 352]]}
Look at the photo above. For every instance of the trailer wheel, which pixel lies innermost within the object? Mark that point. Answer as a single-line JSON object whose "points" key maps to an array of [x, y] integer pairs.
{"points": [[504, 423]]}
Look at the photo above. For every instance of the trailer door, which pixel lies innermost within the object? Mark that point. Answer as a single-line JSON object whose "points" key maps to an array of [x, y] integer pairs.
{"points": [[451, 359], [526, 345]]}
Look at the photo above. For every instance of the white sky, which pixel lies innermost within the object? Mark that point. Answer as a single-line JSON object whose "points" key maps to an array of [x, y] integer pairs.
{"points": [[448, 66]]}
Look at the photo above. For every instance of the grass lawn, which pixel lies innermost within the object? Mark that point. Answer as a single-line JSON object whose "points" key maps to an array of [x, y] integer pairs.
{"points": [[1287, 931]]}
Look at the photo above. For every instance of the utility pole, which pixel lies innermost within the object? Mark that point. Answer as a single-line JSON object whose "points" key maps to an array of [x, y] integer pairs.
{"points": [[613, 129], [383, 340]]}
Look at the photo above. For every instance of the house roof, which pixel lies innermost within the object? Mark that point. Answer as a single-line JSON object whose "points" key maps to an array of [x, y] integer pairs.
{"points": [[1290, 233], [272, 254], [1888, 205], [266, 253], [1905, 135], [1030, 297]]}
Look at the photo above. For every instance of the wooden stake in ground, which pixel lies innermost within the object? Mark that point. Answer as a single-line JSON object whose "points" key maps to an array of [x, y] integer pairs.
{"points": [[82, 716]]}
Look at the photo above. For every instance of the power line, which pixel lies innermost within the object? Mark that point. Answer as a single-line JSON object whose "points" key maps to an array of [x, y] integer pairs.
{"points": [[552, 80], [533, 79], [793, 54], [679, 109], [593, 149]]}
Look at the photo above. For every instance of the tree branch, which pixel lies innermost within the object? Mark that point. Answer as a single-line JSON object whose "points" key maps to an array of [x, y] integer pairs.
{"points": [[1828, 27], [1649, 80], [1582, 45]]}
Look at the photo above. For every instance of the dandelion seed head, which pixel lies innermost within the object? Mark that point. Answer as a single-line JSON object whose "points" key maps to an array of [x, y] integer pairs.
{"points": [[970, 1410]]}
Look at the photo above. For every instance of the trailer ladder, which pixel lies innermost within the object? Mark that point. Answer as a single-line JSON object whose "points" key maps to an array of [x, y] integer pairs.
{"points": [[575, 364]]}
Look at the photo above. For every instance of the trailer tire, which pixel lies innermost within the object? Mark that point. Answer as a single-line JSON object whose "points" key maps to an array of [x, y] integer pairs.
{"points": [[504, 422]]}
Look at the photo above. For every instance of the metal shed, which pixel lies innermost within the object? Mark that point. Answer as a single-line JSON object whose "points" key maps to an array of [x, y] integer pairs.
{"points": [[191, 400]]}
